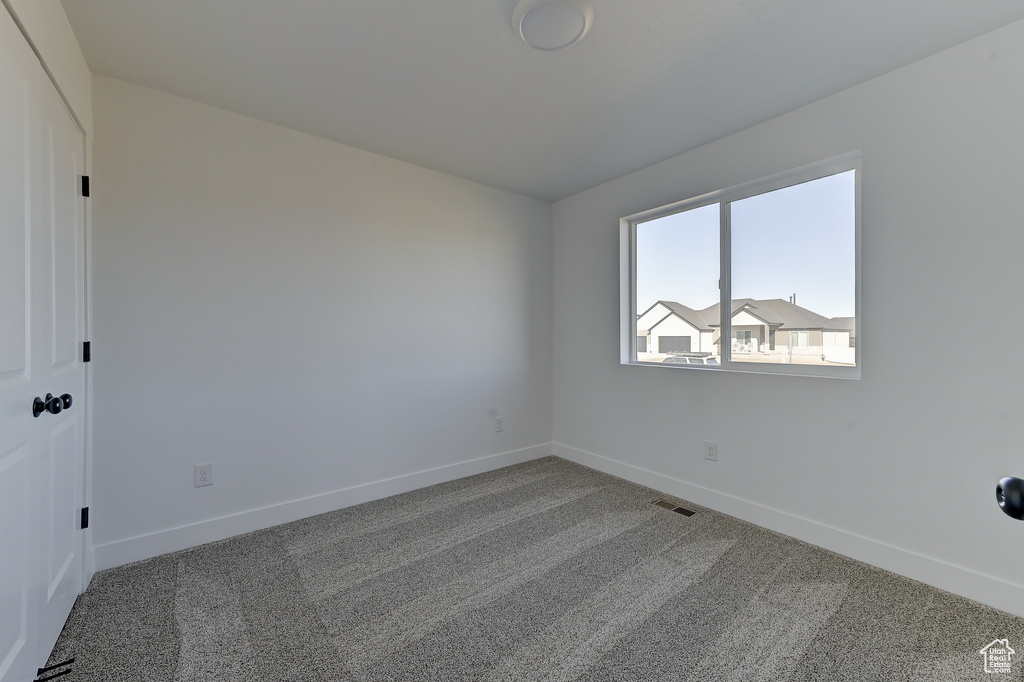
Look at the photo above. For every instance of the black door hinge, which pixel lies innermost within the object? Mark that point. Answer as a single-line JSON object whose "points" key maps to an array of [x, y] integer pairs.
{"points": [[85, 518], [85, 185], [87, 351]]}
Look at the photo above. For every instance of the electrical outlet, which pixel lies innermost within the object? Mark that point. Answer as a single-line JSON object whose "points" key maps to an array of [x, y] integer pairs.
{"points": [[499, 424], [711, 450], [203, 474]]}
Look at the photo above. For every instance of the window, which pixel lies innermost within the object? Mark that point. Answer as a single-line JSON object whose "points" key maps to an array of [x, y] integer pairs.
{"points": [[771, 266]]}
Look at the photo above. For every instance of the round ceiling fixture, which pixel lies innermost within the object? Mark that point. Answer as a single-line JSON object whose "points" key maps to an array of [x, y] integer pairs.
{"points": [[552, 24]]}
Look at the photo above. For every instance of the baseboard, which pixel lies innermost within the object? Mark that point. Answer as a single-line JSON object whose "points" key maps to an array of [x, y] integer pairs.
{"points": [[966, 582], [127, 550]]}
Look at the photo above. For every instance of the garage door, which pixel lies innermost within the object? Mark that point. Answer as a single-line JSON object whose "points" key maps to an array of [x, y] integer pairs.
{"points": [[674, 344]]}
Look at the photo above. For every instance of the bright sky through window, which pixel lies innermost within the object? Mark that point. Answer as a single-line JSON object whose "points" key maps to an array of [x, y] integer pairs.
{"points": [[677, 259], [797, 240]]}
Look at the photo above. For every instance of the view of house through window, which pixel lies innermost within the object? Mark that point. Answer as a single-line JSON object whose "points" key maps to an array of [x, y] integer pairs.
{"points": [[790, 270]]}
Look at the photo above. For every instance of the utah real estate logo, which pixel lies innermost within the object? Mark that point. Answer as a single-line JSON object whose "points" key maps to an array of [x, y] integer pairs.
{"points": [[997, 656]]}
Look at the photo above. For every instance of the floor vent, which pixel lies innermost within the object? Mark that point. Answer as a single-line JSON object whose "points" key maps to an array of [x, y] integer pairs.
{"points": [[674, 507]]}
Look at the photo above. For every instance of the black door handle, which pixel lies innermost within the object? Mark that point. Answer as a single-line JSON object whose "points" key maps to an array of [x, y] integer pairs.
{"points": [[50, 404], [1010, 496]]}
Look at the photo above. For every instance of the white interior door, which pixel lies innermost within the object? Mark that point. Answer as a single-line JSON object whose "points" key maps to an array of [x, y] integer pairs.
{"points": [[58, 292], [41, 329]]}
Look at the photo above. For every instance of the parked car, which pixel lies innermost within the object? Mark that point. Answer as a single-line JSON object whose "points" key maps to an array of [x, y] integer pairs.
{"points": [[690, 360]]}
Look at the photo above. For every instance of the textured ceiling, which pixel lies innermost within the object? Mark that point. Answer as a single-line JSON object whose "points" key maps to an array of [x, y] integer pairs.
{"points": [[445, 84]]}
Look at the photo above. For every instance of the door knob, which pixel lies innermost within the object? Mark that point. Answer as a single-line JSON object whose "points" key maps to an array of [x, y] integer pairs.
{"points": [[1010, 496], [50, 404], [39, 405]]}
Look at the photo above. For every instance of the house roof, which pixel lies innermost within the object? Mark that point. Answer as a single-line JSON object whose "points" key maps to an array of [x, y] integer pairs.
{"points": [[775, 312], [688, 314], [792, 316], [755, 307], [845, 324]]}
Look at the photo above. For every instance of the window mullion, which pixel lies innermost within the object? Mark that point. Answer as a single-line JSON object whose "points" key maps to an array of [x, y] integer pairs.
{"points": [[725, 282]]}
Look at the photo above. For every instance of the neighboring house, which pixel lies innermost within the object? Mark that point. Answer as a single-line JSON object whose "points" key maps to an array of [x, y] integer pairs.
{"points": [[847, 324], [770, 326], [774, 324], [670, 327]]}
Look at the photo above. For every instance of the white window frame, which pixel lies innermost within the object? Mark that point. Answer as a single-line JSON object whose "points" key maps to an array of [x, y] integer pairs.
{"points": [[627, 269]]}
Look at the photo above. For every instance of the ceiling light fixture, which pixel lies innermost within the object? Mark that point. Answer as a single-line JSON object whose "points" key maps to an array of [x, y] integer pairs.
{"points": [[552, 24]]}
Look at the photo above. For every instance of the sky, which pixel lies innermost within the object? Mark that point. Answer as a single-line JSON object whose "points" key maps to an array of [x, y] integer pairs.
{"points": [[799, 239]]}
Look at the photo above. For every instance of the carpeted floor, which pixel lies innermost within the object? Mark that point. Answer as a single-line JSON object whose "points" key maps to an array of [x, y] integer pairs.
{"points": [[541, 571]]}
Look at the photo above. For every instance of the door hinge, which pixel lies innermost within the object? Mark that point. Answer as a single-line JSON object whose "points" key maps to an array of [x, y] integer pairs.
{"points": [[87, 351], [85, 518], [85, 185]]}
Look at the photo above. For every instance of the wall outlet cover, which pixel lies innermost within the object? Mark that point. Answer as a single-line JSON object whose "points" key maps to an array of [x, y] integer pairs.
{"points": [[202, 475]]}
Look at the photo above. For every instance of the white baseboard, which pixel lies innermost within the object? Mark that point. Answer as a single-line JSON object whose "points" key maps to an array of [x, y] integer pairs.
{"points": [[127, 550], [966, 582]]}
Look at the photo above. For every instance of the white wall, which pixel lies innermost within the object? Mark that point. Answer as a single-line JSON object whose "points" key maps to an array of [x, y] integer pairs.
{"points": [[323, 324], [898, 468]]}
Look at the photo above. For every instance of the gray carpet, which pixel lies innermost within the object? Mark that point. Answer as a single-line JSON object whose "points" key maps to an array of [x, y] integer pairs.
{"points": [[541, 571]]}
